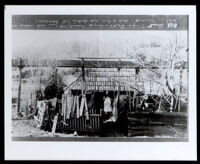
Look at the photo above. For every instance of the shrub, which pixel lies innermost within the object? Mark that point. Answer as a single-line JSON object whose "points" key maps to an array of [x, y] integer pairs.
{"points": [[54, 87]]}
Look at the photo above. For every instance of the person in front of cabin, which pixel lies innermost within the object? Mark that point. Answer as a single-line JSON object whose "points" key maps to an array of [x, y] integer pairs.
{"points": [[148, 103], [107, 107]]}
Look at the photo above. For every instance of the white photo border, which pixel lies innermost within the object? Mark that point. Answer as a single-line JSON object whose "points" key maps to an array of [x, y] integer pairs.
{"points": [[15, 150]]}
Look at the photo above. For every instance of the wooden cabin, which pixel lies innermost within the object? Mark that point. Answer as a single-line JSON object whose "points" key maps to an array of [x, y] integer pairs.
{"points": [[117, 77], [95, 83]]}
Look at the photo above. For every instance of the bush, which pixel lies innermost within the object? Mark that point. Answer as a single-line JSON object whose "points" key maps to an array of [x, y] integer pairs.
{"points": [[54, 87]]}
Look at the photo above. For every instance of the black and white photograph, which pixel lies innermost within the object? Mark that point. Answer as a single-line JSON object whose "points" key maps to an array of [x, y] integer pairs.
{"points": [[100, 77]]}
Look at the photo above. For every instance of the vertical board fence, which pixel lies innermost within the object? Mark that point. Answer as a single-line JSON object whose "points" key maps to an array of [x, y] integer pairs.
{"points": [[80, 124]]}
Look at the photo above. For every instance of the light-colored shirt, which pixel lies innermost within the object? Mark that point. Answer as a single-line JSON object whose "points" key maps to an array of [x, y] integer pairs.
{"points": [[107, 105]]}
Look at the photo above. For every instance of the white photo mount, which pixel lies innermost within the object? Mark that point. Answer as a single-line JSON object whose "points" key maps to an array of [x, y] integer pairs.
{"points": [[103, 150]]}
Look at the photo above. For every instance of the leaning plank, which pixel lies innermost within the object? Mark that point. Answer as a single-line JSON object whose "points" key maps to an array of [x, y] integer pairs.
{"points": [[54, 123]]}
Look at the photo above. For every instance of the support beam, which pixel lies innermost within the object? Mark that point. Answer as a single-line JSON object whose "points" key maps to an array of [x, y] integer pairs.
{"points": [[20, 66], [83, 78]]}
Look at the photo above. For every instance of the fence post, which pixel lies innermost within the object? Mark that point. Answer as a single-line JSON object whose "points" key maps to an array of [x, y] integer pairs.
{"points": [[20, 66]]}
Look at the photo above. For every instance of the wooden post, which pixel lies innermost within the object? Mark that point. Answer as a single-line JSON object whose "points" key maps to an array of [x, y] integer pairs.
{"points": [[159, 107], [118, 104], [180, 92], [172, 104], [150, 85], [83, 77], [56, 72], [133, 101], [136, 76], [20, 66], [31, 99], [129, 96]]}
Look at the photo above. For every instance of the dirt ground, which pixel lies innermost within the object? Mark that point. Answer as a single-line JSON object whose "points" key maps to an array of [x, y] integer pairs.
{"points": [[27, 128]]}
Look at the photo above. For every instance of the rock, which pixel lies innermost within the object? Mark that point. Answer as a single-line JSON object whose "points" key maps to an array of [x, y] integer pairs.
{"points": [[75, 133]]}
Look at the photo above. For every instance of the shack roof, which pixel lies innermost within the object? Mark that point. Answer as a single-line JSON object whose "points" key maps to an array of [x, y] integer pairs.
{"points": [[93, 63]]}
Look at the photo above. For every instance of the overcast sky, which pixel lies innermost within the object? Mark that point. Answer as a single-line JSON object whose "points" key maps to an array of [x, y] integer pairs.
{"points": [[52, 43]]}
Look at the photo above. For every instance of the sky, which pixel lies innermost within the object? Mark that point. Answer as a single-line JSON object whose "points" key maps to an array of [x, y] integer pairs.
{"points": [[61, 44]]}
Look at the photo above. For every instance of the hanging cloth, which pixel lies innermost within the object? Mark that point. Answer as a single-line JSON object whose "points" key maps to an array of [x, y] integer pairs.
{"points": [[86, 110], [69, 106], [77, 107], [64, 106], [62, 111], [73, 106], [114, 111], [84, 105]]}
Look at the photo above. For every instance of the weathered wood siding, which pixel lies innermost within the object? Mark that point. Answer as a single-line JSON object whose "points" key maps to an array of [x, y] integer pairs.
{"points": [[81, 124]]}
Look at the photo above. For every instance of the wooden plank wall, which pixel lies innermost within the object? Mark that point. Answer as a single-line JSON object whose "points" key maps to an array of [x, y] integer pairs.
{"points": [[157, 124], [81, 124]]}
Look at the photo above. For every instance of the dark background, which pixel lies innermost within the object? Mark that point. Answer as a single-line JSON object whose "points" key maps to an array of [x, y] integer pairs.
{"points": [[96, 2], [100, 22]]}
